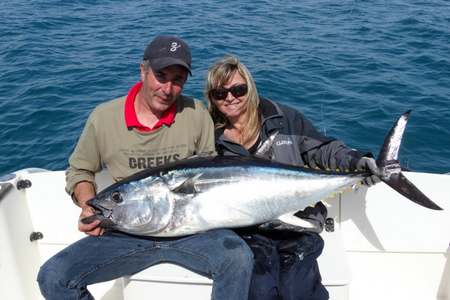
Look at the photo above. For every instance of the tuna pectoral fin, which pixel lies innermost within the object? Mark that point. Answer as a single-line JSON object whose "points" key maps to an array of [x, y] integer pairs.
{"points": [[401, 184], [187, 186]]}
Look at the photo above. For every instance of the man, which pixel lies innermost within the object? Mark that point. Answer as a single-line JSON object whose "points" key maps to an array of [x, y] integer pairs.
{"points": [[153, 125]]}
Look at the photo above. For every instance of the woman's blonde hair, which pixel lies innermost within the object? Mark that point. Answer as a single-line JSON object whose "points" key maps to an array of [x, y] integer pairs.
{"points": [[218, 75]]}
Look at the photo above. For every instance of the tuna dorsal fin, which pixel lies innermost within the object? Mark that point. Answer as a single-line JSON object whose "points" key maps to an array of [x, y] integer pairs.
{"points": [[187, 186]]}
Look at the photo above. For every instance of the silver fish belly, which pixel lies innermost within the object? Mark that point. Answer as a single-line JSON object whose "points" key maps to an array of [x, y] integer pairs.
{"points": [[250, 196]]}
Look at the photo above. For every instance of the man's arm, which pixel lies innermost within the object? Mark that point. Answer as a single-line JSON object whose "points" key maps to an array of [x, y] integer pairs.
{"points": [[80, 176], [85, 160]]}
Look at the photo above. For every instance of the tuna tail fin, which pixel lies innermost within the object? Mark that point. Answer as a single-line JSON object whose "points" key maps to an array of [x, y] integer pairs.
{"points": [[388, 163]]}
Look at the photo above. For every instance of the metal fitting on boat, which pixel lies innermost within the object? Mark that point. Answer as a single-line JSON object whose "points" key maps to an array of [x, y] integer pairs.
{"points": [[329, 225], [34, 236], [23, 184]]}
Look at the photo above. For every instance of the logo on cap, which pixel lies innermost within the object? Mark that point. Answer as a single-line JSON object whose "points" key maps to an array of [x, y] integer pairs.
{"points": [[174, 46]]}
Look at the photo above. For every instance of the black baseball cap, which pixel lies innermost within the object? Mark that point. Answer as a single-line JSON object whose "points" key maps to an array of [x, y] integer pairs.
{"points": [[166, 50]]}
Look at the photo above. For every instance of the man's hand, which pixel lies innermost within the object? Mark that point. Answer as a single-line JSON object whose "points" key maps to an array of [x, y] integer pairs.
{"points": [[369, 164], [84, 191], [91, 228]]}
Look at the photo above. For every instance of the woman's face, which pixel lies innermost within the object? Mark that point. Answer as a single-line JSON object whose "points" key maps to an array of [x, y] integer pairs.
{"points": [[232, 106]]}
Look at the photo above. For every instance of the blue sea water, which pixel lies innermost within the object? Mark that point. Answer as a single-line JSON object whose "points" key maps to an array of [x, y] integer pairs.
{"points": [[351, 66]]}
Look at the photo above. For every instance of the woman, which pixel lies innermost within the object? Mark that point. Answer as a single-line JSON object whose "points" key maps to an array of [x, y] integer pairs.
{"points": [[247, 124]]}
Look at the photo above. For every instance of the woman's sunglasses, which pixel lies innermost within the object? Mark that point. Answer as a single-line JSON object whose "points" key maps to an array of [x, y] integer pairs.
{"points": [[236, 90]]}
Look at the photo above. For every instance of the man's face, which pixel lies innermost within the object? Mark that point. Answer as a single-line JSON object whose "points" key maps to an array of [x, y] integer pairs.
{"points": [[161, 88]]}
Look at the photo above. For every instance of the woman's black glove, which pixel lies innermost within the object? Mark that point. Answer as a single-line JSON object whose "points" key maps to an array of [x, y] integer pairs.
{"points": [[369, 164]]}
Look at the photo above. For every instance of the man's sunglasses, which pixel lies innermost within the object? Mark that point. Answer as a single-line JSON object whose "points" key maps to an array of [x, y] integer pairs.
{"points": [[236, 90]]}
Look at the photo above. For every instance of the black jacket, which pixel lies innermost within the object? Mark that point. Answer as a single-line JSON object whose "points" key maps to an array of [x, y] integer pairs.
{"points": [[288, 137]]}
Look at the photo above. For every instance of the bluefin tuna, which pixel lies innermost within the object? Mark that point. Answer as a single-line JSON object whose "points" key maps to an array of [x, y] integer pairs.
{"points": [[200, 194]]}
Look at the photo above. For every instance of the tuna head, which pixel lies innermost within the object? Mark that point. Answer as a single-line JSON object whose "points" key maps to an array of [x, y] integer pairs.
{"points": [[138, 207]]}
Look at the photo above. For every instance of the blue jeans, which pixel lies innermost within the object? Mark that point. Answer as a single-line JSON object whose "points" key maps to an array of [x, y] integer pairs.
{"points": [[218, 254]]}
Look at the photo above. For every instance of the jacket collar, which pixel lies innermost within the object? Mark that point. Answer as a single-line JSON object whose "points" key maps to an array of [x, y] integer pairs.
{"points": [[272, 117]]}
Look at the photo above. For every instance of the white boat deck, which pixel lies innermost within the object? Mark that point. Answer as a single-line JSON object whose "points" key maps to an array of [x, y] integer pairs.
{"points": [[383, 246]]}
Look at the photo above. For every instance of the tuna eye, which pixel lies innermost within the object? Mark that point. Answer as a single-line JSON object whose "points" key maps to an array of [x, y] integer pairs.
{"points": [[116, 197]]}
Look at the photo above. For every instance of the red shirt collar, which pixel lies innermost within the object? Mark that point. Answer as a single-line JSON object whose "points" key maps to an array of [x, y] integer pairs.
{"points": [[131, 120]]}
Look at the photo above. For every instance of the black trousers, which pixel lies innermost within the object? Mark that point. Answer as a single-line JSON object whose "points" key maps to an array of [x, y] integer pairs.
{"points": [[286, 267]]}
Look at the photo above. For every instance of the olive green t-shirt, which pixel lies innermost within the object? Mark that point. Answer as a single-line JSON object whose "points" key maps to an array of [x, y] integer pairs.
{"points": [[106, 142]]}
